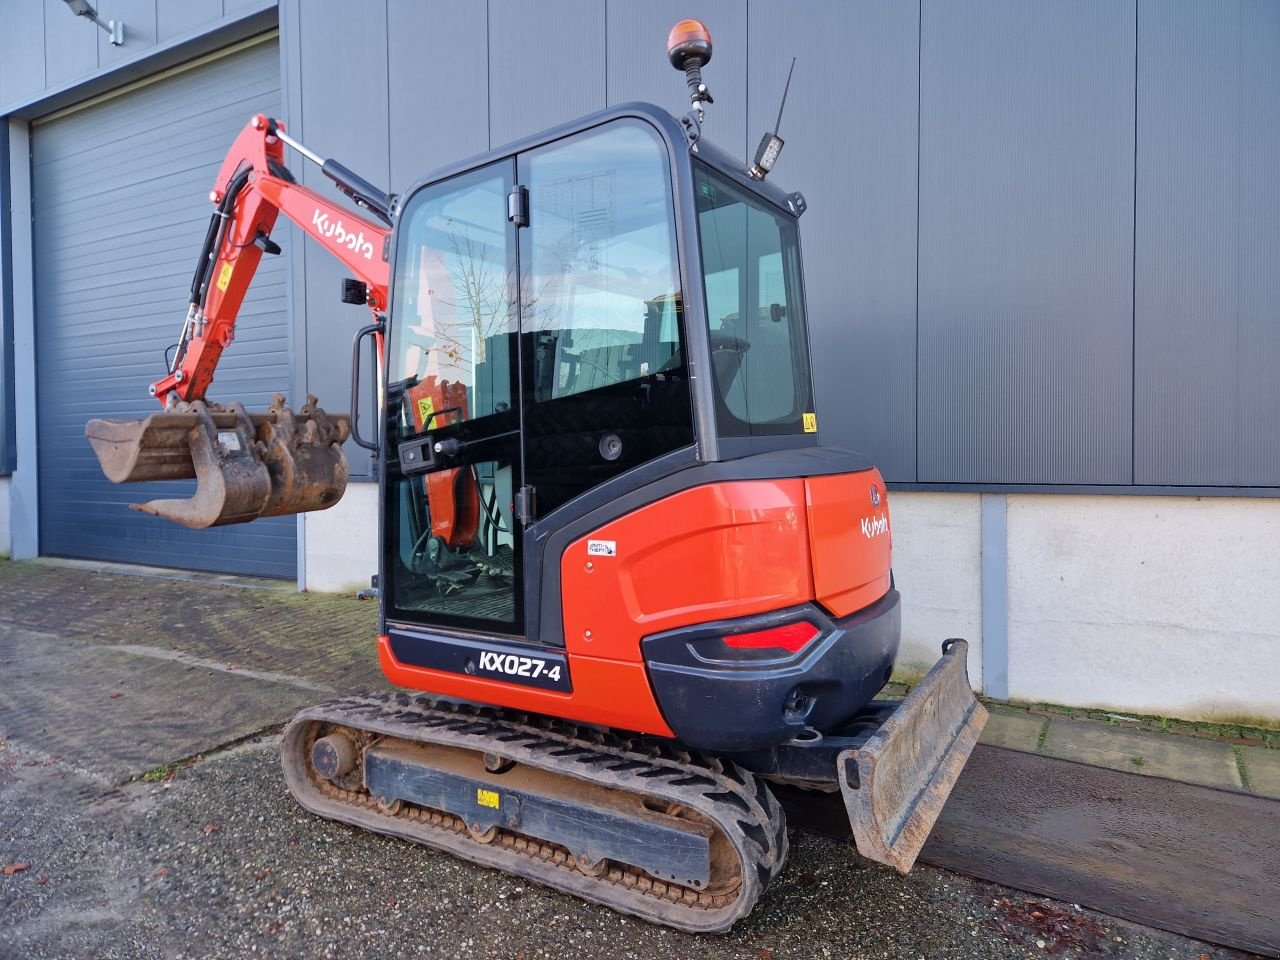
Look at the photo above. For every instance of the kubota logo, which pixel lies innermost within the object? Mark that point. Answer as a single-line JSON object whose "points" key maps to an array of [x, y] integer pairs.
{"points": [[875, 526], [340, 234]]}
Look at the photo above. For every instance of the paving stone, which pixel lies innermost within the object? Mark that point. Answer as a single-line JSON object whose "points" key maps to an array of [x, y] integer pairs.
{"points": [[117, 714], [995, 706], [1013, 730], [326, 638], [1264, 770], [1151, 754]]}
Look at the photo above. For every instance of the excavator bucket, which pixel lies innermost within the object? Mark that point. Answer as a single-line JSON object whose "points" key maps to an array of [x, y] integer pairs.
{"points": [[245, 465], [895, 785]]}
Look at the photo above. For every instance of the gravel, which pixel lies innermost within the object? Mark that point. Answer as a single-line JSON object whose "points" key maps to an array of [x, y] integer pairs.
{"points": [[220, 863]]}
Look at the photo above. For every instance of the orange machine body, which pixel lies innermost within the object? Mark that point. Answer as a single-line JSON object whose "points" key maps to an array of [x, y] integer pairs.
{"points": [[453, 498], [710, 553]]}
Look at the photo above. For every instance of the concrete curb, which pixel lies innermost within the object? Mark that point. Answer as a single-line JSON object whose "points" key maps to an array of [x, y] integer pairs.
{"points": [[1131, 749]]}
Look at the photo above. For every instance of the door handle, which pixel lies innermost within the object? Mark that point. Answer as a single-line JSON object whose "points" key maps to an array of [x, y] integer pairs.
{"points": [[373, 329], [452, 446]]}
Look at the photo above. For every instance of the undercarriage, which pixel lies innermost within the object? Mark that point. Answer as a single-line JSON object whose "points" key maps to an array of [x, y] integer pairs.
{"points": [[625, 821], [635, 823]]}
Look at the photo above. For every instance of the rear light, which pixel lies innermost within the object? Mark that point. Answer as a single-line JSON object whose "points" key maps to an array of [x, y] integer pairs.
{"points": [[791, 637]]}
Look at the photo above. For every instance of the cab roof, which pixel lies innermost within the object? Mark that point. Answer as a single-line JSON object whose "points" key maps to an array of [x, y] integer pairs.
{"points": [[671, 131]]}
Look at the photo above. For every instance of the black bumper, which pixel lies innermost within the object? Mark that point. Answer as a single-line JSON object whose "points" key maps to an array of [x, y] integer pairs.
{"points": [[731, 701]]}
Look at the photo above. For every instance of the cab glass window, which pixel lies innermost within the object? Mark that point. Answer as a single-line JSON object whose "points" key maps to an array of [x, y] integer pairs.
{"points": [[755, 309], [600, 311], [452, 540]]}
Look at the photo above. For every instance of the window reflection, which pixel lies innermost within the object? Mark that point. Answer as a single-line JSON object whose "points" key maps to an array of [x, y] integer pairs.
{"points": [[453, 303], [601, 311], [751, 265], [601, 285], [454, 541]]}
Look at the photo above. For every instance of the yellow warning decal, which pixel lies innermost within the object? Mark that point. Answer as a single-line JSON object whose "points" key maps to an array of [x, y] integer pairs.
{"points": [[425, 409], [487, 798], [224, 277], [810, 423]]}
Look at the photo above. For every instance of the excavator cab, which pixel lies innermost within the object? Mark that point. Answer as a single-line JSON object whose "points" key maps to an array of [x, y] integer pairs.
{"points": [[591, 310]]}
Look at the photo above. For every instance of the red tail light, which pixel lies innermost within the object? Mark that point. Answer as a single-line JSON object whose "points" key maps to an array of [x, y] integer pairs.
{"points": [[792, 637]]}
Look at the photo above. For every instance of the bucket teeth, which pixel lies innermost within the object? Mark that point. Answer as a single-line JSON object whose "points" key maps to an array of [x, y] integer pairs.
{"points": [[245, 465]]}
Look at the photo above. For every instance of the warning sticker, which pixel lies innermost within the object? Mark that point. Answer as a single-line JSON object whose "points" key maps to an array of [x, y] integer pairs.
{"points": [[602, 548], [487, 798], [224, 277], [810, 423], [425, 410]]}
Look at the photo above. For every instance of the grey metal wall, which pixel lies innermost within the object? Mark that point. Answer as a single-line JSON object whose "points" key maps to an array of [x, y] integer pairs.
{"points": [[1207, 307], [120, 208], [1040, 236], [45, 48], [1025, 242]]}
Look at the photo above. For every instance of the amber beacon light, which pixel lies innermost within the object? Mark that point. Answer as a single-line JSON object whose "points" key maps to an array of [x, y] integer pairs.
{"points": [[689, 48]]}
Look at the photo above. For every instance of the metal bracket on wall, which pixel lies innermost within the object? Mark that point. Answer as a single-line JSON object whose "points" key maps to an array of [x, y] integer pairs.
{"points": [[995, 595]]}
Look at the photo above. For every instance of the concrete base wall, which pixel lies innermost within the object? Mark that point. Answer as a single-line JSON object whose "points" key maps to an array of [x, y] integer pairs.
{"points": [[937, 562], [1159, 605], [1154, 604], [6, 540], [340, 545]]}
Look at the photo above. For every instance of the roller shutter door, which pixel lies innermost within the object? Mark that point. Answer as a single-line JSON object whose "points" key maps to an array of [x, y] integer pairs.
{"points": [[121, 205]]}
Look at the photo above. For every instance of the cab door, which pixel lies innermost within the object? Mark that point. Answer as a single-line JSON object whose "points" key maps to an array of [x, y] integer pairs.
{"points": [[453, 455], [536, 350], [606, 376]]}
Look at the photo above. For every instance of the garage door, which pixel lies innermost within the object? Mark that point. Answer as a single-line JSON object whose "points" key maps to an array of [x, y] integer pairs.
{"points": [[121, 206]]}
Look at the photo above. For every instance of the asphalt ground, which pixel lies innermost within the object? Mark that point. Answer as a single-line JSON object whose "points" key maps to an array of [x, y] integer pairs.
{"points": [[105, 680]]}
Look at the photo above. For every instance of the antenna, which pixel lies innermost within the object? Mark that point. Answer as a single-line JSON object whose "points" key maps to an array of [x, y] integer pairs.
{"points": [[771, 144], [783, 104]]}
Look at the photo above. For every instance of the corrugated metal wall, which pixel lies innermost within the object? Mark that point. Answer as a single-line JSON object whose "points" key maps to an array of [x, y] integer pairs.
{"points": [[120, 197], [1206, 387], [1041, 234], [973, 234], [45, 47], [1026, 242]]}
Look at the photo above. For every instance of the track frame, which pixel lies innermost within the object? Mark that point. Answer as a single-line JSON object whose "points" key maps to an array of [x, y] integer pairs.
{"points": [[749, 837]]}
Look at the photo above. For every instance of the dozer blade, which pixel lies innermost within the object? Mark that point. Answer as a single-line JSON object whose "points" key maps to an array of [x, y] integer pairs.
{"points": [[895, 785], [245, 466]]}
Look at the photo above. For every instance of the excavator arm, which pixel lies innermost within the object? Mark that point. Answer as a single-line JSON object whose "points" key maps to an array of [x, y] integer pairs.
{"points": [[281, 461], [252, 188]]}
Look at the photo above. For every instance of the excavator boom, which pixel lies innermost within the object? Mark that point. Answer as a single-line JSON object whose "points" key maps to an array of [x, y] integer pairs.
{"points": [[249, 465]]}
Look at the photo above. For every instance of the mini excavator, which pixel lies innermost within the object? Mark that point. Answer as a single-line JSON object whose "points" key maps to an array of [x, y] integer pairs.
{"points": [[628, 589]]}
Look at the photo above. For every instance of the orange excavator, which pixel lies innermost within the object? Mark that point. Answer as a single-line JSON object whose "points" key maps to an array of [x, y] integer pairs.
{"points": [[625, 589]]}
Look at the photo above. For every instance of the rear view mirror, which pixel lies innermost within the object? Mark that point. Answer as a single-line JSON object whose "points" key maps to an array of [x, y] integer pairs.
{"points": [[776, 312]]}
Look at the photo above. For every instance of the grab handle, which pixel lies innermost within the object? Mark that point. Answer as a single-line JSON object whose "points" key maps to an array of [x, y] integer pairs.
{"points": [[374, 330]]}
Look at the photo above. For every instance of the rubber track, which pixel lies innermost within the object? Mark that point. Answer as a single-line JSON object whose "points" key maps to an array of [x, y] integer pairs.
{"points": [[736, 802]]}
